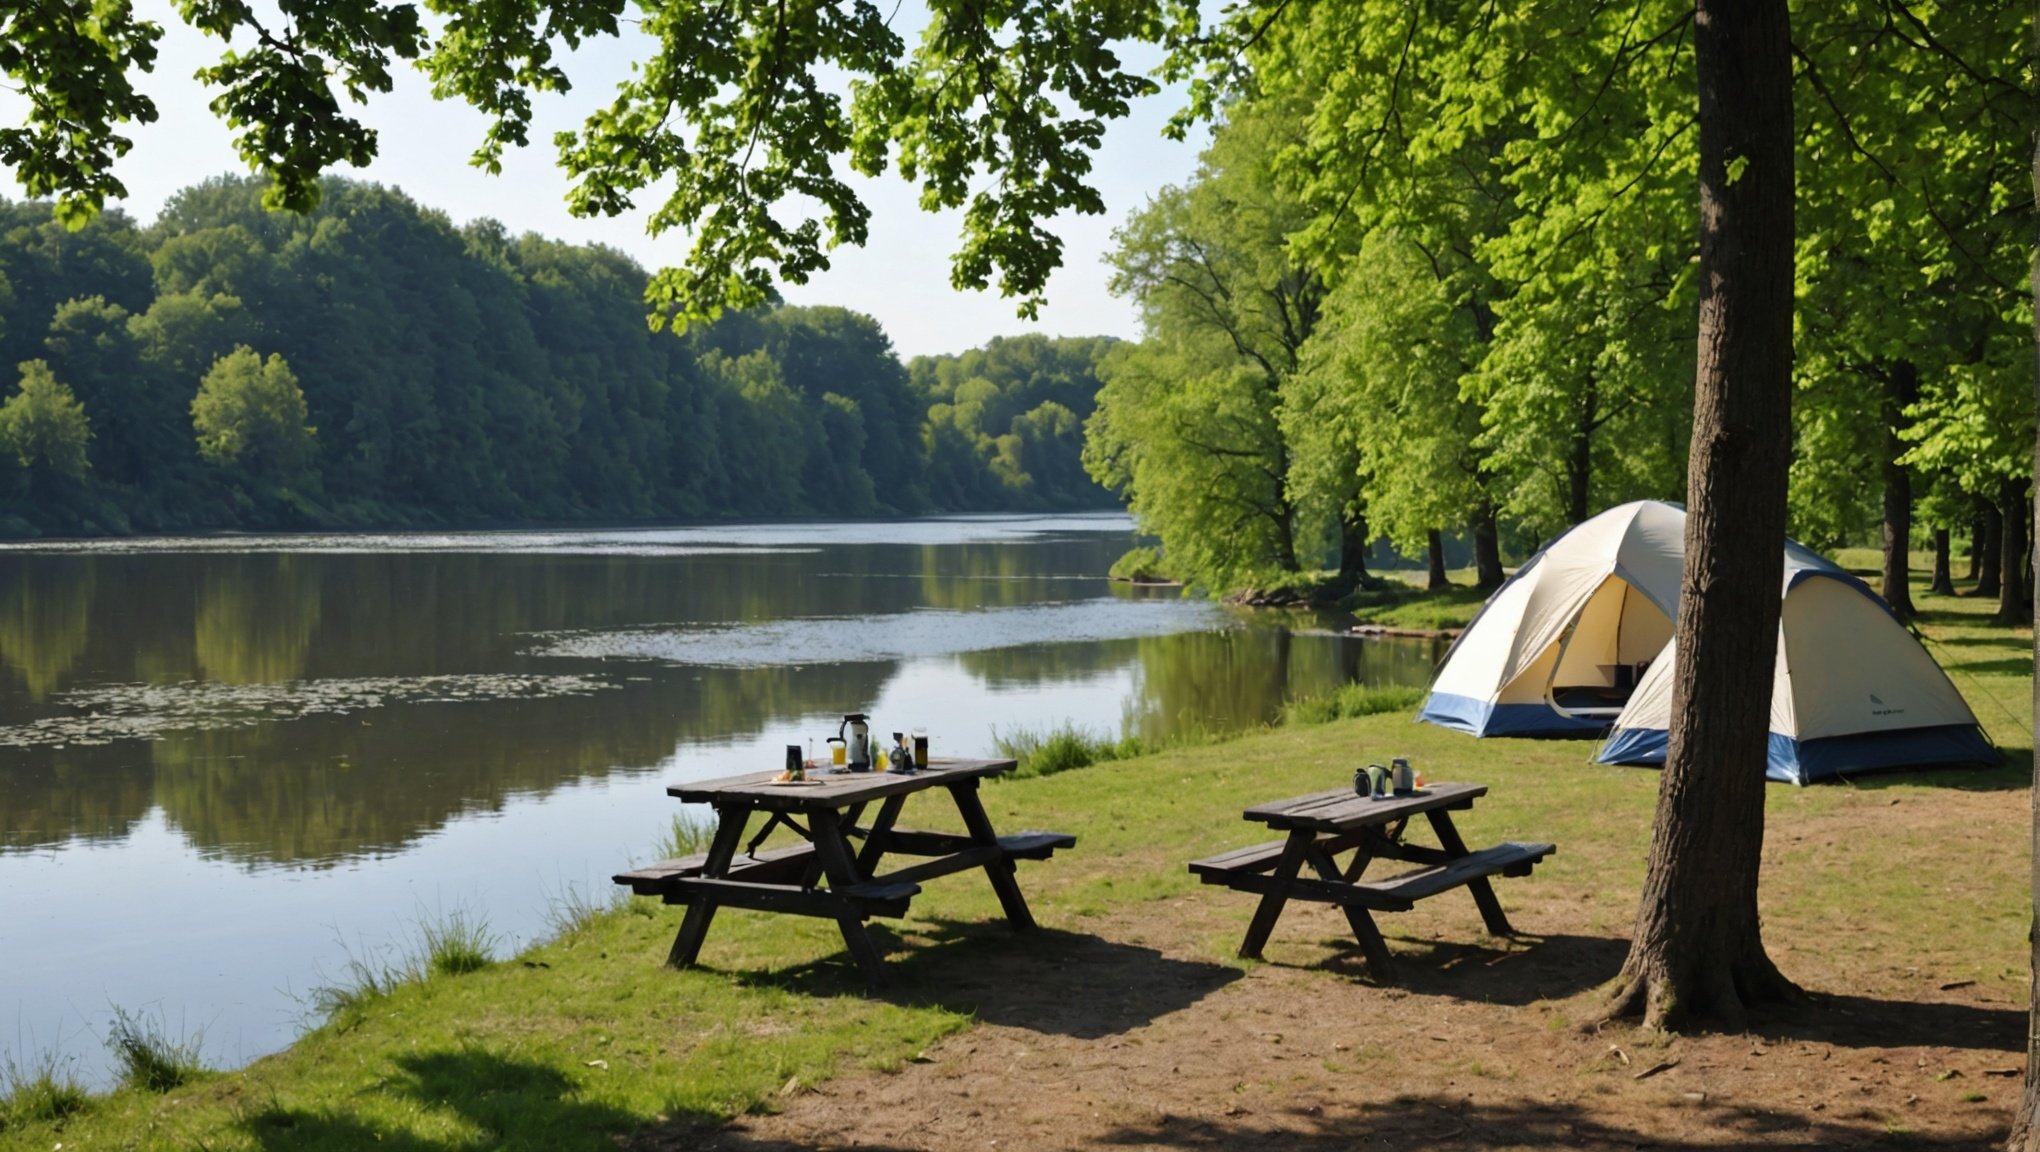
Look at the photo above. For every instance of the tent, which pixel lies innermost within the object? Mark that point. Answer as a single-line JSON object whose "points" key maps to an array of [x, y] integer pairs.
{"points": [[1852, 691], [1557, 649], [1560, 648]]}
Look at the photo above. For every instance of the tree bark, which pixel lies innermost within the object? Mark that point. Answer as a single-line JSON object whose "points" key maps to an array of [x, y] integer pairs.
{"points": [[1901, 389], [1944, 576], [1989, 574], [1975, 547], [1434, 543], [2013, 607], [2025, 1135], [1353, 551], [1698, 951], [1579, 468], [1487, 548]]}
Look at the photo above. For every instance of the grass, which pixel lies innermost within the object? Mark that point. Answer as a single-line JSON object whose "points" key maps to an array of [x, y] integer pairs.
{"points": [[1062, 749], [588, 1035], [1350, 700], [43, 1090], [149, 1057], [456, 944], [1400, 601]]}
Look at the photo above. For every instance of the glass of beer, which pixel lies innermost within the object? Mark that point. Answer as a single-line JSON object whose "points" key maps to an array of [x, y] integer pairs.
{"points": [[921, 747]]}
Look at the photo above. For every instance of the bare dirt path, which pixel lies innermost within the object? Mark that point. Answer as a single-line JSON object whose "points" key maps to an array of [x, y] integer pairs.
{"points": [[1128, 1033]]}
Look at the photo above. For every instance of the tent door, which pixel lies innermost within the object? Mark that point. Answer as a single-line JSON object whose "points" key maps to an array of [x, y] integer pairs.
{"points": [[1587, 706]]}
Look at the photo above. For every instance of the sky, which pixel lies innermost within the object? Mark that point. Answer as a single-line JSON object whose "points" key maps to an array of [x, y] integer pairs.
{"points": [[901, 276]]}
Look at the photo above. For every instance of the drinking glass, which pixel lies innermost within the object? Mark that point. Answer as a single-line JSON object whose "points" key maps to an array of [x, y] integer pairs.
{"points": [[921, 747]]}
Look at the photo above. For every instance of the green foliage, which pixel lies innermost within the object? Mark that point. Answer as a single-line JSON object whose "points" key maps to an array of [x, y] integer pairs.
{"points": [[467, 374], [150, 1058], [1188, 427], [44, 425], [251, 412], [1142, 566]]}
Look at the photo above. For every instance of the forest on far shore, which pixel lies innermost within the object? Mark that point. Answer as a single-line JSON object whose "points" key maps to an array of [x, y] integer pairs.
{"points": [[372, 364]]}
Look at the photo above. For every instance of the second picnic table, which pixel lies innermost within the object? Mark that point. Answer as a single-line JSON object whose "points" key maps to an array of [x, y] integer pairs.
{"points": [[1323, 825], [828, 876]]}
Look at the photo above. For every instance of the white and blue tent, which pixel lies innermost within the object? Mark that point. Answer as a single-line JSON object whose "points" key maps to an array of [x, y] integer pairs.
{"points": [[1558, 648], [1851, 691]]}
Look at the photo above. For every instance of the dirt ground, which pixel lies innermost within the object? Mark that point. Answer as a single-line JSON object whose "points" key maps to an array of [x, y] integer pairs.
{"points": [[1142, 1042]]}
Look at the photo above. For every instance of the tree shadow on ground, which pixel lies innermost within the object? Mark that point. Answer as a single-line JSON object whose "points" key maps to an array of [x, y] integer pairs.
{"points": [[1864, 1022], [1440, 1123], [1532, 968], [1019, 979], [493, 1102]]}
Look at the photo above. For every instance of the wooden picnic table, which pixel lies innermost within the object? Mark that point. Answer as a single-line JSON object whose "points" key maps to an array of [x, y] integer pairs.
{"points": [[827, 875], [1323, 825]]}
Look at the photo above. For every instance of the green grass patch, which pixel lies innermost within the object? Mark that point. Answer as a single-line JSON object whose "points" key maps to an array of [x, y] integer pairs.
{"points": [[1350, 700], [149, 1057], [1045, 753], [457, 944], [40, 1090], [1399, 600]]}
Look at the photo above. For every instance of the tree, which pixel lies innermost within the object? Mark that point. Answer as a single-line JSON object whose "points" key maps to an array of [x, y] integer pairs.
{"points": [[251, 413], [1697, 950], [45, 426]]}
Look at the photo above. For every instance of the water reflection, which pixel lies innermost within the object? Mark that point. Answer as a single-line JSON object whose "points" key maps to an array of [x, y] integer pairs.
{"points": [[385, 694]]}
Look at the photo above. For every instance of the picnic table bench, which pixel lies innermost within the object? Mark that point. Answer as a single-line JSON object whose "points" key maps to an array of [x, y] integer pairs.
{"points": [[1324, 825], [826, 875]]}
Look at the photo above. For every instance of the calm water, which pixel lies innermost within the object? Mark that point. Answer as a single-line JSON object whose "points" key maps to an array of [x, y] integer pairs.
{"points": [[228, 765]]}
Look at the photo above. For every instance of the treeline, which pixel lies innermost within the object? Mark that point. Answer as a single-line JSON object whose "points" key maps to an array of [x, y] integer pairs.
{"points": [[372, 364], [1426, 285]]}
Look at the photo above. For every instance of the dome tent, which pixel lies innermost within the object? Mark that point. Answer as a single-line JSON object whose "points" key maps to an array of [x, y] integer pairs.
{"points": [[1556, 650], [1851, 691], [1561, 647]]}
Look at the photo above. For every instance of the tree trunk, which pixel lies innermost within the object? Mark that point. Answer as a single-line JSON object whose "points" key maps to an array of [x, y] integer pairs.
{"points": [[2025, 1135], [1487, 548], [1901, 389], [1975, 547], [1698, 948], [1944, 577], [1989, 568], [1353, 551], [2013, 608], [1434, 542], [1579, 466]]}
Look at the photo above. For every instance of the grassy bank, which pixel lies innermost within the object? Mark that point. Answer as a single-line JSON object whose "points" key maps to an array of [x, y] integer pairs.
{"points": [[588, 1035]]}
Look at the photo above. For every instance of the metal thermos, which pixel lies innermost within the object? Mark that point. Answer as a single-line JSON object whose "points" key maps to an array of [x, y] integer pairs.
{"points": [[856, 736]]}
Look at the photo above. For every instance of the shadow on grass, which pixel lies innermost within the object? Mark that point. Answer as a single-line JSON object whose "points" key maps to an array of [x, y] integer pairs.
{"points": [[1019, 979], [1438, 1123], [493, 1101], [2013, 775]]}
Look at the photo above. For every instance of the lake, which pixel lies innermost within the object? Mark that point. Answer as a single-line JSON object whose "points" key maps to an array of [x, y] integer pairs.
{"points": [[229, 765]]}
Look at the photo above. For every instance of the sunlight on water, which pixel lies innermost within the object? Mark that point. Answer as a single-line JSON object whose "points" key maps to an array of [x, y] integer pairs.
{"points": [[900, 636]]}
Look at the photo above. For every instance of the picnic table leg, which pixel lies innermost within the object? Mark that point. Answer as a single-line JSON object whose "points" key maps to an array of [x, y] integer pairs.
{"points": [[875, 841], [1300, 843], [1483, 892], [999, 870], [842, 872], [1372, 945], [729, 832]]}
